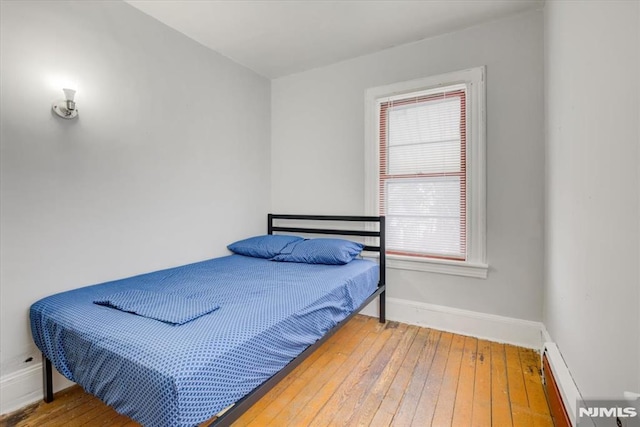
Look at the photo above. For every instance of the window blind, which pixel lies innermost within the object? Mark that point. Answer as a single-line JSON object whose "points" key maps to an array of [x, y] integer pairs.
{"points": [[423, 173]]}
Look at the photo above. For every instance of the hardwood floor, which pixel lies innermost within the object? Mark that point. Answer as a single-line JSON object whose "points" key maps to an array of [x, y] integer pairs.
{"points": [[370, 374]]}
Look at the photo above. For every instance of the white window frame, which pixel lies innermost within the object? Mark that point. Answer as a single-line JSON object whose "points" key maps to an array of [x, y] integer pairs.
{"points": [[474, 79]]}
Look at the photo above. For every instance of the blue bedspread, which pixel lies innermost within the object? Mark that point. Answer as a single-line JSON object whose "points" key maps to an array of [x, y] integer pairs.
{"points": [[180, 375]]}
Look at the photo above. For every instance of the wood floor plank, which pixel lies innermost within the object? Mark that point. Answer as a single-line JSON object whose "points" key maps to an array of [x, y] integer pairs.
{"points": [[294, 398], [288, 404], [463, 412], [93, 416], [517, 392], [355, 387], [389, 406], [371, 345], [540, 420], [532, 372], [116, 421], [481, 403], [367, 408], [369, 374], [65, 402], [428, 399], [500, 405], [407, 408], [342, 336], [64, 420], [443, 414]]}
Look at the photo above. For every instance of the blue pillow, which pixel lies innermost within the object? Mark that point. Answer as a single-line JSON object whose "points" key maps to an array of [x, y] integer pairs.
{"points": [[321, 251], [266, 246]]}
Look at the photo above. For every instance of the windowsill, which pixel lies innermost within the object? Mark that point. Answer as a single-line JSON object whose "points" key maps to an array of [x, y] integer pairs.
{"points": [[456, 268]]}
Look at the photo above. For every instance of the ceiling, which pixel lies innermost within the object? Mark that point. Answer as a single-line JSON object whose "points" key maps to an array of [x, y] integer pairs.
{"points": [[280, 37]]}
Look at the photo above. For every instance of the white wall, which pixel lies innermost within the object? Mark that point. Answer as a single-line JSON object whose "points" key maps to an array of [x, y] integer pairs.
{"points": [[592, 281], [167, 163], [317, 155]]}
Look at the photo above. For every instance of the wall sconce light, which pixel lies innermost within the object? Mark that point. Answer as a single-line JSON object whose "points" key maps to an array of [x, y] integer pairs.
{"points": [[66, 108]]}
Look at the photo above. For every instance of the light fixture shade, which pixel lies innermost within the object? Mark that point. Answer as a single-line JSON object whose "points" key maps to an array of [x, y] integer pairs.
{"points": [[69, 94], [66, 108]]}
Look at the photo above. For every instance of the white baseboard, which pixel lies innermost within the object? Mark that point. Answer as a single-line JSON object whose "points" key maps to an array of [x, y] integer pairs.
{"points": [[523, 333], [569, 392], [24, 387]]}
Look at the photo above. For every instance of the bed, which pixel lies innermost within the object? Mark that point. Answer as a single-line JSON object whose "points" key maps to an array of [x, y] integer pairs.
{"points": [[265, 317]]}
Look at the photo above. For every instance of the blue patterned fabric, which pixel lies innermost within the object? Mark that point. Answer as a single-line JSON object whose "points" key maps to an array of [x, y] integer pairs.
{"points": [[165, 375], [266, 246], [162, 306], [321, 251]]}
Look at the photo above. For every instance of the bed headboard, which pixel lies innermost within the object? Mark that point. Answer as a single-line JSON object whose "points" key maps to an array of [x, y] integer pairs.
{"points": [[380, 233]]}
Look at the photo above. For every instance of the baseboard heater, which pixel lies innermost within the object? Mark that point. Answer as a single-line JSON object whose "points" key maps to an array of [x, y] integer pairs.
{"points": [[562, 392]]}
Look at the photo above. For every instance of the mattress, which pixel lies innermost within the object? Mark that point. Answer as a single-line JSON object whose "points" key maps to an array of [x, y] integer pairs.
{"points": [[168, 375]]}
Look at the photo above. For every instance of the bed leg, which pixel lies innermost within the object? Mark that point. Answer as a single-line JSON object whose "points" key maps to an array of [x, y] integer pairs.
{"points": [[383, 307], [47, 379]]}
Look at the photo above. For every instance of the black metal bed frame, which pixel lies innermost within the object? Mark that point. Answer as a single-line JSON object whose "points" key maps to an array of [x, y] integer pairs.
{"points": [[242, 405]]}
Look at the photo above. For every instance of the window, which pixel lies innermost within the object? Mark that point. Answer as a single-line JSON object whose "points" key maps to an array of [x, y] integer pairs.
{"points": [[425, 171]]}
